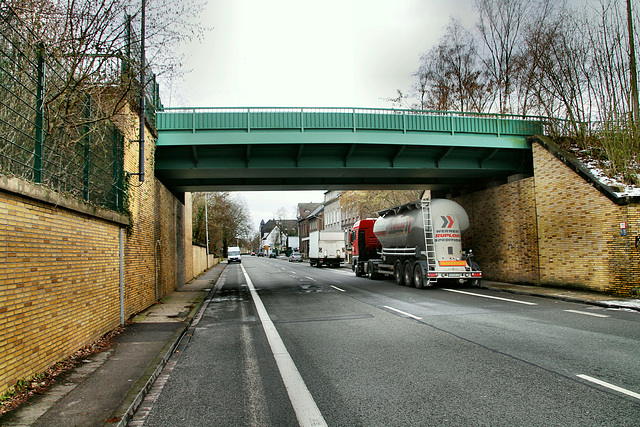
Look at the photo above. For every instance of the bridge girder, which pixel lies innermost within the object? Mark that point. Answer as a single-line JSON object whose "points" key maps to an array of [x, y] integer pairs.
{"points": [[283, 150]]}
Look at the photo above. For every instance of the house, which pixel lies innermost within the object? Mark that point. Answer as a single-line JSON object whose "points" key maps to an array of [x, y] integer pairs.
{"points": [[273, 234], [305, 210], [332, 211]]}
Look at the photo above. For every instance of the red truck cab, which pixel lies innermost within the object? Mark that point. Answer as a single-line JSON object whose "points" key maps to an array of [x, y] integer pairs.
{"points": [[364, 243]]}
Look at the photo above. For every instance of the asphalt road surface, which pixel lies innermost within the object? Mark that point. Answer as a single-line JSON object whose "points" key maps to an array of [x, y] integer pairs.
{"points": [[313, 346]]}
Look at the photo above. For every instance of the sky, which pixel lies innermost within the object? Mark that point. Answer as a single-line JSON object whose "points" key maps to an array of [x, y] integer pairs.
{"points": [[302, 53]]}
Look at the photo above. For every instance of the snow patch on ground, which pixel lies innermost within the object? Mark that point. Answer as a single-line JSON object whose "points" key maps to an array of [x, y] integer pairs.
{"points": [[617, 184], [633, 304]]}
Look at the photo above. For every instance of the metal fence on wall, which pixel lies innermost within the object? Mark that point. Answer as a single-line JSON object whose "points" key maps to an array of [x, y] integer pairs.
{"points": [[49, 133]]}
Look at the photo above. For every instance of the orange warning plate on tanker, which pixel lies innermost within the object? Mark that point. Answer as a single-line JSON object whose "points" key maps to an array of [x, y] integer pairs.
{"points": [[452, 263]]}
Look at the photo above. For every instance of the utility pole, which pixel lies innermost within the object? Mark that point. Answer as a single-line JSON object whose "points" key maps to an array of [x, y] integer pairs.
{"points": [[143, 69], [634, 74]]}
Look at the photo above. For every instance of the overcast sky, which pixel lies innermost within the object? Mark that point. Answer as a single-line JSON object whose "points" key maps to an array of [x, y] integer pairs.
{"points": [[301, 53]]}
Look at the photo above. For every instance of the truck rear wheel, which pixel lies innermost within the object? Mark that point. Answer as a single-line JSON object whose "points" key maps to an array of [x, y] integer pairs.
{"points": [[371, 272], [397, 273], [418, 279], [408, 273]]}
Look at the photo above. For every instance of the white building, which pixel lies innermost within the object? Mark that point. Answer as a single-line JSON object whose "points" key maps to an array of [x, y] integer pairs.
{"points": [[332, 211]]}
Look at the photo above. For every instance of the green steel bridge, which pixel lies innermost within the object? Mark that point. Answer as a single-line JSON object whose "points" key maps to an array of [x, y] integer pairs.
{"points": [[209, 149]]}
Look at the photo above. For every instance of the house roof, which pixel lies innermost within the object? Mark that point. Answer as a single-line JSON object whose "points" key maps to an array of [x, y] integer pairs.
{"points": [[305, 209], [316, 211], [267, 227]]}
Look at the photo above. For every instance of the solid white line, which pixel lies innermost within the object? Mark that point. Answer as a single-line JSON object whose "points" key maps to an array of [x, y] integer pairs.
{"points": [[338, 289], [403, 313], [610, 386], [303, 404], [489, 296], [586, 313]]}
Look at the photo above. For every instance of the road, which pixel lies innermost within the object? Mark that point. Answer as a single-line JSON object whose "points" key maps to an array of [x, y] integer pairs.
{"points": [[360, 352]]}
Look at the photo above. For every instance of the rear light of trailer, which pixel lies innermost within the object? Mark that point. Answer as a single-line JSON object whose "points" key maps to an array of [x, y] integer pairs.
{"points": [[476, 274]]}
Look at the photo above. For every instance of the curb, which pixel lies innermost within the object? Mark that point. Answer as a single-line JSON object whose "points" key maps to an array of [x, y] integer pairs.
{"points": [[140, 389]]}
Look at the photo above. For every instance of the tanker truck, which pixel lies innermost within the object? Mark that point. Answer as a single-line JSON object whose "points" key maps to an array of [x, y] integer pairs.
{"points": [[418, 243]]}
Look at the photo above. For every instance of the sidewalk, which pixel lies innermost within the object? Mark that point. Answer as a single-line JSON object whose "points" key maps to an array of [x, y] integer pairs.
{"points": [[585, 297], [92, 394], [107, 388]]}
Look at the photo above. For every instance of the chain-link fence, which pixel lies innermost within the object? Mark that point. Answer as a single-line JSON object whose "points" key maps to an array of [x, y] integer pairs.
{"points": [[55, 122]]}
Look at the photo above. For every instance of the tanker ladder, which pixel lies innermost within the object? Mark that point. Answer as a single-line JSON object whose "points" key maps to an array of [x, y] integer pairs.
{"points": [[429, 240]]}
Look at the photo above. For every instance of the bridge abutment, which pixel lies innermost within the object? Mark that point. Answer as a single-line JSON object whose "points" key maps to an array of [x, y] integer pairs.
{"points": [[557, 228]]}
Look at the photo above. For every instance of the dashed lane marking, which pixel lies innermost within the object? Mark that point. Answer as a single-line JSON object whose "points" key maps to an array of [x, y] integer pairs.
{"points": [[338, 289], [490, 297], [404, 313], [610, 386], [587, 313]]}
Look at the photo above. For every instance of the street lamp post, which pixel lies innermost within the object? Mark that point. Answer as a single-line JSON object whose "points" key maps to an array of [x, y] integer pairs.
{"points": [[206, 224]]}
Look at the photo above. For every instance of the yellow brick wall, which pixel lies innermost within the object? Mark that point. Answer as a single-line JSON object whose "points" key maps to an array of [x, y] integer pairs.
{"points": [[139, 261], [58, 284], [188, 233], [579, 233], [59, 268], [503, 232]]}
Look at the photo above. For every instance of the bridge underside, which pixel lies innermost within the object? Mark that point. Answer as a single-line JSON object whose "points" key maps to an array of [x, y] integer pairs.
{"points": [[215, 161]]}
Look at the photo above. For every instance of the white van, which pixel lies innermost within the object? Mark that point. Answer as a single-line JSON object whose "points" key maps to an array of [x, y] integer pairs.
{"points": [[233, 254]]}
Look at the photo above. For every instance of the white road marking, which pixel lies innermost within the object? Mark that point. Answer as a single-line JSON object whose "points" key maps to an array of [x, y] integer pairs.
{"points": [[403, 313], [489, 296], [610, 386], [303, 404], [310, 278], [254, 387], [344, 273], [587, 313], [338, 289]]}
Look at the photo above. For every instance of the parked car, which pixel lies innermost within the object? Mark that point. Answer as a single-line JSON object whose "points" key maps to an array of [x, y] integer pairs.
{"points": [[272, 255], [295, 257]]}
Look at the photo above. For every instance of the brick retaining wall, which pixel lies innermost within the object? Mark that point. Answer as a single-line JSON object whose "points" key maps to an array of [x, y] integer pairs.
{"points": [[59, 263], [503, 232], [579, 229]]}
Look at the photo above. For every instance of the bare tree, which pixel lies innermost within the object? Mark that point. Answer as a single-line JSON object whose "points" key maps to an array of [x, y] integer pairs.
{"points": [[500, 27], [228, 220], [94, 46], [365, 203], [450, 76]]}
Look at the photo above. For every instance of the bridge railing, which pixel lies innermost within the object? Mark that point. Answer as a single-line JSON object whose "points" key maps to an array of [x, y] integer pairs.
{"points": [[354, 119]]}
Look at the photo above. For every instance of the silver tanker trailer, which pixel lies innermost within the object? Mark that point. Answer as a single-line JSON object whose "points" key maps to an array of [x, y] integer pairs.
{"points": [[418, 243]]}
